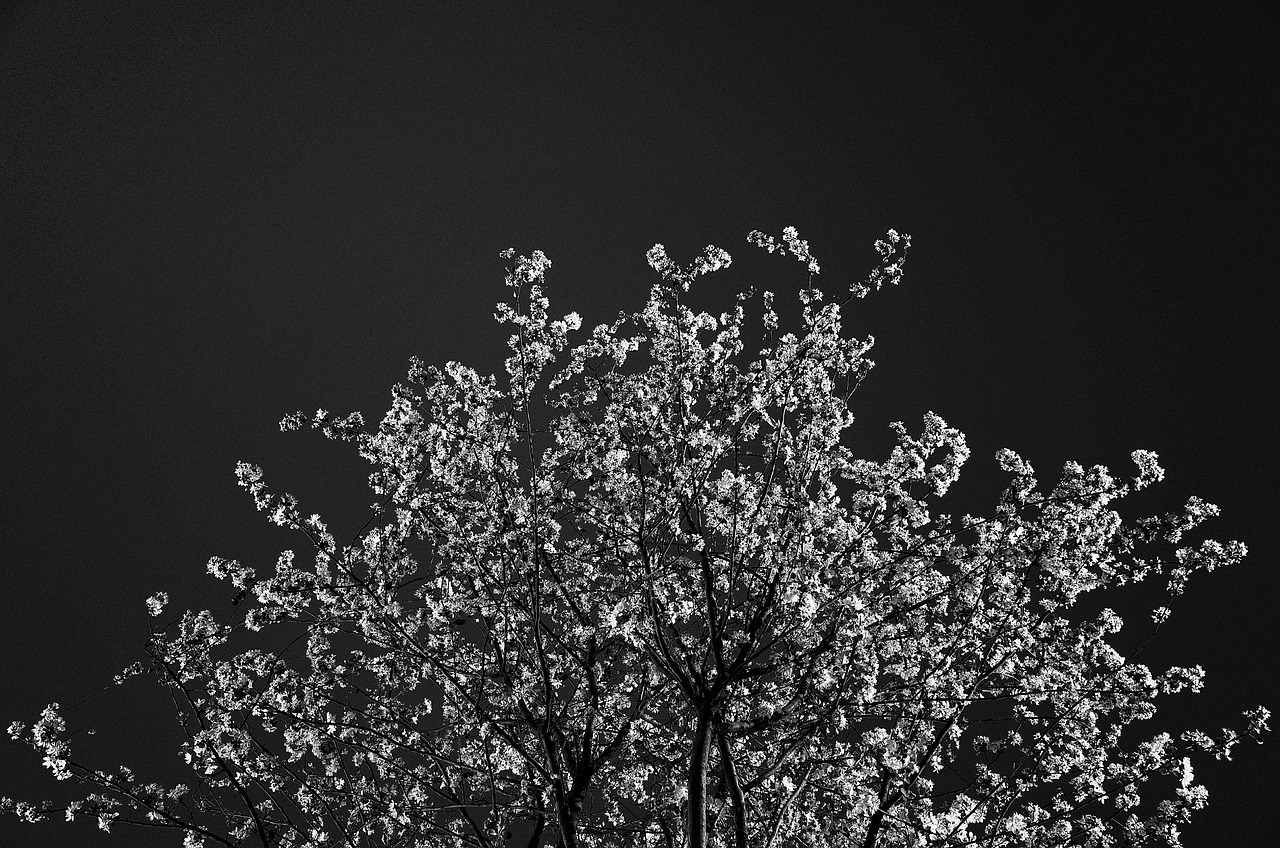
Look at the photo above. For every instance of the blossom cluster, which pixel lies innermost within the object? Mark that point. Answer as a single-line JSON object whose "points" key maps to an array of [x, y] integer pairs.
{"points": [[641, 589]]}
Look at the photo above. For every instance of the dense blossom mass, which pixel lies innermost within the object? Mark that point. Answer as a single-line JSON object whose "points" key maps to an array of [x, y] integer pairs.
{"points": [[638, 590]]}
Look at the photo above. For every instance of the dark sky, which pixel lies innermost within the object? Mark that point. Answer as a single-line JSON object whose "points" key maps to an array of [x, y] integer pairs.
{"points": [[214, 213]]}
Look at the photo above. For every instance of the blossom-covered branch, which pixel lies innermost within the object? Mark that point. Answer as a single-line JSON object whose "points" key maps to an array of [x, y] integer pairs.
{"points": [[640, 589]]}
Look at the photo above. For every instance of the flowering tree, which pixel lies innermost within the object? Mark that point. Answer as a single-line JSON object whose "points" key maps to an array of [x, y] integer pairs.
{"points": [[640, 592]]}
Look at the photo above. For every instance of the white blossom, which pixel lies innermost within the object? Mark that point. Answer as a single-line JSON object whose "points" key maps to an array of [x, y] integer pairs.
{"points": [[644, 585], [156, 603]]}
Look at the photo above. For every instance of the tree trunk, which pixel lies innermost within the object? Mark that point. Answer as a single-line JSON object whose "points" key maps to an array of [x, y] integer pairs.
{"points": [[698, 758], [568, 829], [735, 791], [566, 817]]}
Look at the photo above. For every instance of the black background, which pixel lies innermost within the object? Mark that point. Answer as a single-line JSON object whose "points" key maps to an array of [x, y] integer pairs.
{"points": [[216, 213]]}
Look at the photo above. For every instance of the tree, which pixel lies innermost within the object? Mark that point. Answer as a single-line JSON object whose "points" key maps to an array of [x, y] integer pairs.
{"points": [[640, 591]]}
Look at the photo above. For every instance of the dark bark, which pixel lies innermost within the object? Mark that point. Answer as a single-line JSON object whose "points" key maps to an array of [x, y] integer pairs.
{"points": [[699, 755], [877, 818], [568, 827], [735, 792]]}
